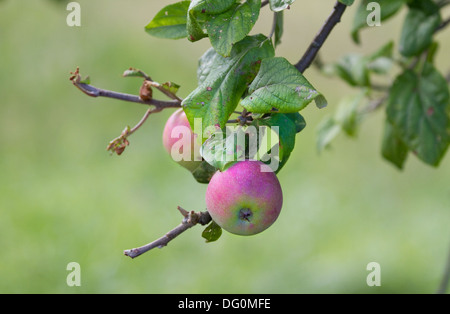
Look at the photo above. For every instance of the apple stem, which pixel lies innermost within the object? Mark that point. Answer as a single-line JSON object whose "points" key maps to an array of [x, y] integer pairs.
{"points": [[190, 219]]}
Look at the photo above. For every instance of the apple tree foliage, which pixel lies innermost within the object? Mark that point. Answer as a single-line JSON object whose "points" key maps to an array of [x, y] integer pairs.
{"points": [[241, 71]]}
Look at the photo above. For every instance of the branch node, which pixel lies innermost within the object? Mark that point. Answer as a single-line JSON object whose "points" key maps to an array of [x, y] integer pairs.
{"points": [[183, 211]]}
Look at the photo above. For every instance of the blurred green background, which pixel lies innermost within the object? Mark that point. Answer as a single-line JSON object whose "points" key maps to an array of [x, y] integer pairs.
{"points": [[63, 198]]}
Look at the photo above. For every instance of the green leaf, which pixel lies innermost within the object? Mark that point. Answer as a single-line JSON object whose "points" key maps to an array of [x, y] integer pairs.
{"points": [[327, 130], [385, 51], [222, 81], [347, 114], [429, 7], [204, 172], [171, 87], [347, 2], [133, 73], [388, 9], [211, 6], [233, 25], [418, 109], [279, 23], [280, 87], [355, 68], [170, 22], [432, 50], [298, 120], [417, 32], [224, 148], [194, 28], [199, 12], [393, 149], [346, 119], [381, 65], [352, 68], [286, 127], [280, 5], [86, 80], [212, 232]]}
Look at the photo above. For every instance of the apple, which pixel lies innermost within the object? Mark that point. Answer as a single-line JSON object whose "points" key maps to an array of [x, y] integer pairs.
{"points": [[179, 141], [245, 199]]}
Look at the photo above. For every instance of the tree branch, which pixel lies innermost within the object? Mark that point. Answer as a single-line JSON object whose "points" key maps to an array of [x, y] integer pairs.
{"points": [[320, 38], [443, 3], [443, 25], [375, 104], [119, 144], [98, 92], [190, 219]]}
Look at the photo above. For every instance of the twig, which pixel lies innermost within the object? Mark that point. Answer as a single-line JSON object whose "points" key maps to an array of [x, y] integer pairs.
{"points": [[443, 25], [119, 144], [190, 219], [443, 3], [144, 118], [375, 104], [446, 278], [264, 3], [98, 92], [379, 87], [320, 38]]}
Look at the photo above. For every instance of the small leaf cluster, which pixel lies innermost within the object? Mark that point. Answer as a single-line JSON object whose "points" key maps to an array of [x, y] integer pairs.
{"points": [[416, 99], [239, 72]]}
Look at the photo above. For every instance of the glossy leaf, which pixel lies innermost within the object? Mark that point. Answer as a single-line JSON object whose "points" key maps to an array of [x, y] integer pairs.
{"points": [[280, 87], [204, 172], [224, 149], [287, 126], [212, 232], [194, 28], [222, 81], [279, 5], [170, 87], [298, 121], [210, 6], [170, 22], [199, 13], [231, 26]]}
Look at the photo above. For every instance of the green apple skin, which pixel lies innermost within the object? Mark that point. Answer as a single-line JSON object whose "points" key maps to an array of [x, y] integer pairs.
{"points": [[179, 119], [243, 199]]}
